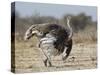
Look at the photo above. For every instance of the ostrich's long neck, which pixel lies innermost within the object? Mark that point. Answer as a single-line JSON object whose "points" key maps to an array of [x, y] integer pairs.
{"points": [[70, 29]]}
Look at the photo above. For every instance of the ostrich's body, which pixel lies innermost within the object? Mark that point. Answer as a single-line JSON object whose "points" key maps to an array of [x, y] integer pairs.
{"points": [[54, 40]]}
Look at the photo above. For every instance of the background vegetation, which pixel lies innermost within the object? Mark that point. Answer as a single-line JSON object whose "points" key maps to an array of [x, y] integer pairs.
{"points": [[84, 27]]}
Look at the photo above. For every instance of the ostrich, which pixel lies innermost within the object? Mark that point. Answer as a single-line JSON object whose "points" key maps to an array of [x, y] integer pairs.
{"points": [[54, 39]]}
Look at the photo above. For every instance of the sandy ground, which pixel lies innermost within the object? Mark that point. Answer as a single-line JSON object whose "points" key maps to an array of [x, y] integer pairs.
{"points": [[28, 58]]}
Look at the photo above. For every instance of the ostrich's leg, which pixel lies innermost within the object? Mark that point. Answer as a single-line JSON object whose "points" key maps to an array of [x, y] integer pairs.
{"points": [[47, 61]]}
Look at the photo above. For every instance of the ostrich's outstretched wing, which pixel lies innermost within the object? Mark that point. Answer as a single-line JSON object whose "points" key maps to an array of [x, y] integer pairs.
{"points": [[68, 44]]}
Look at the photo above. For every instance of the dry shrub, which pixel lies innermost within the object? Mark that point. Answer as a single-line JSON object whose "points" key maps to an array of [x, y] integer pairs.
{"points": [[88, 35]]}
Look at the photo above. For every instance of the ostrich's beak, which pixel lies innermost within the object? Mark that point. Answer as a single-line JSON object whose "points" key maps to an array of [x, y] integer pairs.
{"points": [[28, 37]]}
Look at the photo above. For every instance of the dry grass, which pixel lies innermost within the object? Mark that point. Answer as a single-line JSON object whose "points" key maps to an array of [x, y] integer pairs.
{"points": [[88, 35], [82, 37]]}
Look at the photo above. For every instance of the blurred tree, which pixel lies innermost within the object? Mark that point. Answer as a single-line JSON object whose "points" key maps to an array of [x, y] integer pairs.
{"points": [[80, 21]]}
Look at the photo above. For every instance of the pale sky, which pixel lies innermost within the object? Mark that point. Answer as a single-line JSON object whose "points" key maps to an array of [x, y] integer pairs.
{"points": [[56, 10]]}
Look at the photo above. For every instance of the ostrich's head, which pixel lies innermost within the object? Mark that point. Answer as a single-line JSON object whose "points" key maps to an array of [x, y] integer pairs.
{"points": [[34, 30], [31, 32]]}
